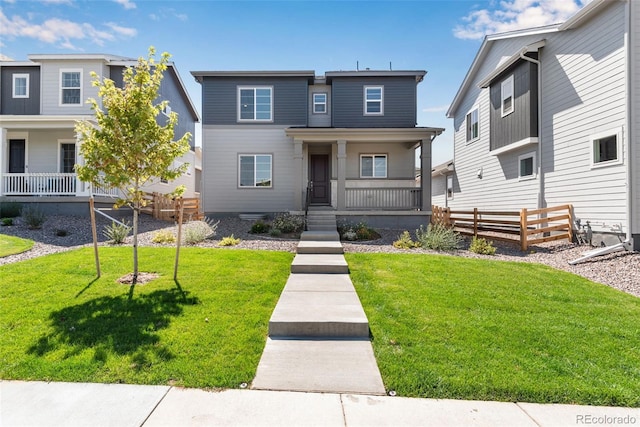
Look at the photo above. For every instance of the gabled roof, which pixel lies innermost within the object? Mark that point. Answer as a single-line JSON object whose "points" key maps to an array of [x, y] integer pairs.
{"points": [[582, 16]]}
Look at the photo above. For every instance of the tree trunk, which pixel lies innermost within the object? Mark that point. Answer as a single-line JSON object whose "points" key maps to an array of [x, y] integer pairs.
{"points": [[135, 243]]}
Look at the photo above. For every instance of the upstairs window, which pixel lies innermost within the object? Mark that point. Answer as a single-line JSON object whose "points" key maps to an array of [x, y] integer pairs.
{"points": [[21, 85], [255, 104], [606, 148], [70, 86], [506, 95], [319, 103], [526, 166], [373, 166], [473, 125], [374, 100], [255, 170]]}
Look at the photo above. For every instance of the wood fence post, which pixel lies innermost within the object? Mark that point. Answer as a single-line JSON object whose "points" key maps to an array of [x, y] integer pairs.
{"points": [[446, 216], [570, 219], [523, 229], [94, 233], [180, 213], [475, 222]]}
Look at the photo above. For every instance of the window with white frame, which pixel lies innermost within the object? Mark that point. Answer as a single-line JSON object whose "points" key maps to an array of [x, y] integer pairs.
{"points": [[374, 100], [373, 166], [606, 148], [255, 170], [449, 187], [21, 85], [506, 96], [67, 157], [255, 104], [473, 125], [70, 87], [527, 166], [319, 103]]}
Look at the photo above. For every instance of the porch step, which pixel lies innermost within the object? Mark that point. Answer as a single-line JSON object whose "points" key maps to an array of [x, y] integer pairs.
{"points": [[319, 264], [321, 235], [319, 247]]}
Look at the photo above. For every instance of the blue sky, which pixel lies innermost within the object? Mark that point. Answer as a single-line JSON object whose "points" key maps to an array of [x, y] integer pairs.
{"points": [[439, 36]]}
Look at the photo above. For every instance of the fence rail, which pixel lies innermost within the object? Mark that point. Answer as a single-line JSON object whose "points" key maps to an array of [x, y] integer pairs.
{"points": [[511, 226], [383, 198], [39, 184], [167, 209]]}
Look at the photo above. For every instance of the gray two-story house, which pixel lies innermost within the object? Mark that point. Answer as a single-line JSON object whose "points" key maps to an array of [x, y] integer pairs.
{"points": [[40, 101], [280, 141]]}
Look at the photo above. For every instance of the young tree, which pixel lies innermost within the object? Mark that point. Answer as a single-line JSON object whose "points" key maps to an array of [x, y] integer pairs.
{"points": [[126, 147]]}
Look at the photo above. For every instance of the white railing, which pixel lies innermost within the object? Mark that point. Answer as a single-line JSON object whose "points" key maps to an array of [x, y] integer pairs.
{"points": [[407, 198], [38, 184]]}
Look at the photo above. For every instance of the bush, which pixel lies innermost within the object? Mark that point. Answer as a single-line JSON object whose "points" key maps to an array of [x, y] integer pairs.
{"points": [[288, 223], [10, 209], [482, 246], [229, 241], [6, 221], [199, 231], [116, 233], [275, 232], [405, 242], [438, 237], [259, 227], [163, 236], [350, 235], [32, 216], [357, 231]]}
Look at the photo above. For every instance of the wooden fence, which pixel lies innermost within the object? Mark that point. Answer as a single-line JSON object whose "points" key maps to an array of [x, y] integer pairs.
{"points": [[527, 226], [168, 209]]}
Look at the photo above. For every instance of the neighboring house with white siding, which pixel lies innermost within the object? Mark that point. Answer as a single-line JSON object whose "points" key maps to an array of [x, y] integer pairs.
{"points": [[550, 116], [40, 101], [275, 141]]}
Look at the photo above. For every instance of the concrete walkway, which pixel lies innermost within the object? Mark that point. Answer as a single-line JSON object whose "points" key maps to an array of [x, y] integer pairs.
{"points": [[318, 332], [78, 404]]}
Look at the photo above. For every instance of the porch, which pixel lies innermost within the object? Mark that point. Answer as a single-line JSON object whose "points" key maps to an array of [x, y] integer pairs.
{"points": [[48, 184]]}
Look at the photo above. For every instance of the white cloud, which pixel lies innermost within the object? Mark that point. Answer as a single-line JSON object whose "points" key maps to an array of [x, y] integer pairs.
{"points": [[168, 13], [60, 32], [437, 109], [513, 15], [127, 4]]}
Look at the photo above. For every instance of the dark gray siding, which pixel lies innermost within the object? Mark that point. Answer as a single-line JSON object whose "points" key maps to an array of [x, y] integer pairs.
{"points": [[115, 72], [523, 122], [20, 106], [347, 102], [220, 105]]}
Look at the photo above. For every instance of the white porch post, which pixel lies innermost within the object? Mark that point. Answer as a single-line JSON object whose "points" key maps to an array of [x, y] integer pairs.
{"points": [[425, 171], [299, 187], [342, 172], [3, 153], [82, 189]]}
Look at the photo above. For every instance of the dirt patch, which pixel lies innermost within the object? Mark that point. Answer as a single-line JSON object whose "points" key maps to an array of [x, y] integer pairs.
{"points": [[143, 278]]}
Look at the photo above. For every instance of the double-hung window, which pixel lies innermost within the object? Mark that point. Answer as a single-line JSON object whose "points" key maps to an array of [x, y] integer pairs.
{"points": [[255, 104], [506, 96], [473, 125], [319, 103], [374, 100], [21, 85], [70, 87], [373, 166], [255, 170]]}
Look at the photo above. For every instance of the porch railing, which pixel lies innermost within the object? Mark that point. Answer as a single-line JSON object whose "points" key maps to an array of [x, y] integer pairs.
{"points": [[408, 198], [39, 184]]}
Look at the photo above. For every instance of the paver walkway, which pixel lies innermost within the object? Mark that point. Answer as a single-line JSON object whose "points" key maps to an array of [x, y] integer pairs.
{"points": [[318, 333]]}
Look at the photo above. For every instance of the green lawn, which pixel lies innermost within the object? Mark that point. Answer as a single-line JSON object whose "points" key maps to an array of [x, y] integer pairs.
{"points": [[58, 323], [10, 245], [450, 327]]}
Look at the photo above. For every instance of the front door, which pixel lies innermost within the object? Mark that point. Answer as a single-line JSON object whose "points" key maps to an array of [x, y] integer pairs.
{"points": [[16, 155], [319, 177]]}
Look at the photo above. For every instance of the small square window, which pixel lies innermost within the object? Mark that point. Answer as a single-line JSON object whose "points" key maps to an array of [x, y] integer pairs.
{"points": [[319, 103], [506, 95], [526, 166], [605, 149], [473, 125], [373, 166], [374, 100], [255, 170], [21, 85]]}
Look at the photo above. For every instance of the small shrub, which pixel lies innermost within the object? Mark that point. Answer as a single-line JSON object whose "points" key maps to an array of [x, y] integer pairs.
{"points": [[275, 232], [288, 223], [6, 221], [229, 241], [482, 246], [438, 237], [198, 231], [163, 236], [61, 233], [350, 235], [405, 242], [357, 231], [33, 217], [259, 227], [10, 209], [116, 233]]}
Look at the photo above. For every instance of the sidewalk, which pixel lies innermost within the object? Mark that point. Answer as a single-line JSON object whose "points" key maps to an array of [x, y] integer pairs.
{"points": [[80, 404]]}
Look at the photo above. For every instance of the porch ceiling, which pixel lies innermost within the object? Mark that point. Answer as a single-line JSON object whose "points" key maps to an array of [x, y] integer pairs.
{"points": [[40, 122], [391, 135]]}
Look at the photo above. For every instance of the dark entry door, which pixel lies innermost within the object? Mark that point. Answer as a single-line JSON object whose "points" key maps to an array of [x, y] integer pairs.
{"points": [[16, 155], [319, 177]]}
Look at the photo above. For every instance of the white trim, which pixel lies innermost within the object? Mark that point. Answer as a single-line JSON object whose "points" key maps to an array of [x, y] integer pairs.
{"points": [[373, 167], [502, 67], [66, 141], [366, 100], [254, 155], [508, 84], [61, 88], [617, 132], [254, 119], [13, 88], [532, 156], [514, 146], [477, 137], [326, 97]]}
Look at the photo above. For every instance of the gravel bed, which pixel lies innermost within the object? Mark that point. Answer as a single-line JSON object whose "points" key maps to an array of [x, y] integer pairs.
{"points": [[619, 270]]}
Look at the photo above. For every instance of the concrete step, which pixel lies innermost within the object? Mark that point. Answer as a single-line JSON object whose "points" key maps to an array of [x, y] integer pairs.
{"points": [[321, 228], [332, 222], [319, 264], [319, 247], [320, 365], [322, 235]]}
